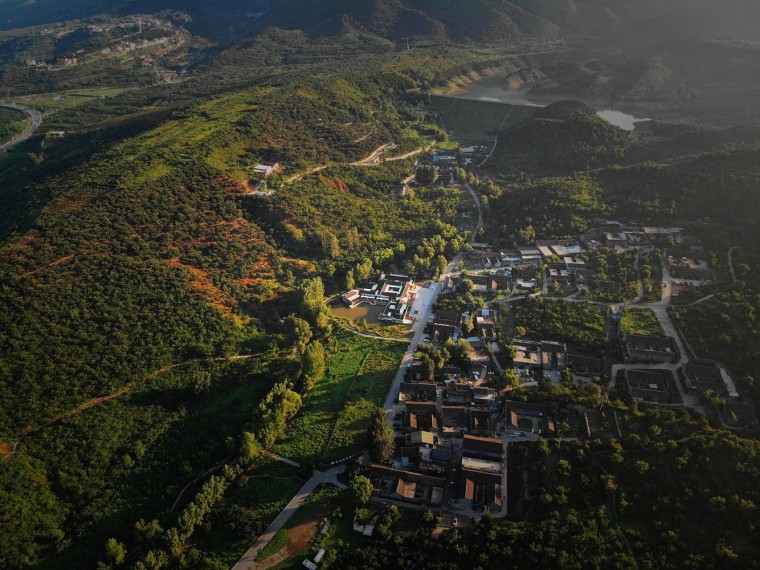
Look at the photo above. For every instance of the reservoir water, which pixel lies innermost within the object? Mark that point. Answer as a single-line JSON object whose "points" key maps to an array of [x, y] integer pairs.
{"points": [[494, 89], [619, 119]]}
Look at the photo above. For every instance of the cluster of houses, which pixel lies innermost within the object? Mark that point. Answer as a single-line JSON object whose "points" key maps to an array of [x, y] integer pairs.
{"points": [[138, 22], [565, 260], [395, 292], [658, 386]]}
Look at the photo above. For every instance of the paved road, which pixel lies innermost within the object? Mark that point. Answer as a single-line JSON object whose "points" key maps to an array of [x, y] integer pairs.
{"points": [[36, 118], [424, 310], [248, 561], [374, 157], [731, 261]]}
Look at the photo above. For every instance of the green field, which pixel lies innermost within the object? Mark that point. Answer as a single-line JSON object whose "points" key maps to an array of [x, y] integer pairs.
{"points": [[70, 98], [359, 373], [639, 321]]}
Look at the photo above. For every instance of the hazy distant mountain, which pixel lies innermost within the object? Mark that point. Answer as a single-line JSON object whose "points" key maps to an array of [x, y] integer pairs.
{"points": [[480, 21]]}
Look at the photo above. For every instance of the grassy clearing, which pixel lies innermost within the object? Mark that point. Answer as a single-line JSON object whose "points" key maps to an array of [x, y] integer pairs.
{"points": [[358, 369], [278, 542], [326, 501], [640, 321]]}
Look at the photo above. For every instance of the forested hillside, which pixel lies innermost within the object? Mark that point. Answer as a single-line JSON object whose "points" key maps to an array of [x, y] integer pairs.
{"points": [[152, 300]]}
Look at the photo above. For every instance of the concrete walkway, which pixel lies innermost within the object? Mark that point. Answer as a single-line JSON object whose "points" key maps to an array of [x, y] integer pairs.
{"points": [[248, 561]]}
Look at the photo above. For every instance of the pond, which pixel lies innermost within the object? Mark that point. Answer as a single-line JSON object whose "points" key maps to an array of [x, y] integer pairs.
{"points": [[619, 119], [365, 311]]}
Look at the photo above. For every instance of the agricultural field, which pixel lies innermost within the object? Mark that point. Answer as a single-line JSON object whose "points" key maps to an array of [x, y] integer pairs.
{"points": [[639, 321], [335, 414], [578, 324]]}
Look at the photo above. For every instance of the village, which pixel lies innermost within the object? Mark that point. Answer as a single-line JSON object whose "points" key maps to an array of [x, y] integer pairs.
{"points": [[459, 412], [144, 36]]}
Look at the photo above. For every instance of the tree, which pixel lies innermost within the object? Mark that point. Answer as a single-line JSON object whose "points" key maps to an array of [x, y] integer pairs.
{"points": [[360, 488], [426, 175], [458, 351], [465, 286], [115, 551], [280, 406], [312, 292], [363, 270], [201, 382], [382, 444], [508, 378], [249, 447], [330, 245], [302, 332], [312, 365]]}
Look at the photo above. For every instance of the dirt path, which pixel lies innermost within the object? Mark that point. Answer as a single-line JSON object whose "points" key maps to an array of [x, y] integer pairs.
{"points": [[372, 336], [9, 449], [405, 156], [374, 157]]}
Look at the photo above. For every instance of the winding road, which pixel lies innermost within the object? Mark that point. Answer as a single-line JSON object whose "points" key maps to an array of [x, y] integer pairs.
{"points": [[36, 118], [248, 560]]}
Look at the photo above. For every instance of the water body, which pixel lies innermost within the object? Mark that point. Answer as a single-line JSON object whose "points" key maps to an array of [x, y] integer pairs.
{"points": [[494, 89], [619, 119]]}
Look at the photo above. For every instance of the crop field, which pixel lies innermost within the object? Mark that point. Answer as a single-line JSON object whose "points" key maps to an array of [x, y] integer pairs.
{"points": [[336, 413], [579, 324], [639, 321]]}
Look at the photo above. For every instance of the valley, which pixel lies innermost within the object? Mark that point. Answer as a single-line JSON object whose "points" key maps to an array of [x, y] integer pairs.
{"points": [[379, 284]]}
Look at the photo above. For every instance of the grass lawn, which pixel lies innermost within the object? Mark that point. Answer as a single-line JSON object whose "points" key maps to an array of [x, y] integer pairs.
{"points": [[358, 369], [640, 321], [277, 543], [327, 501]]}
